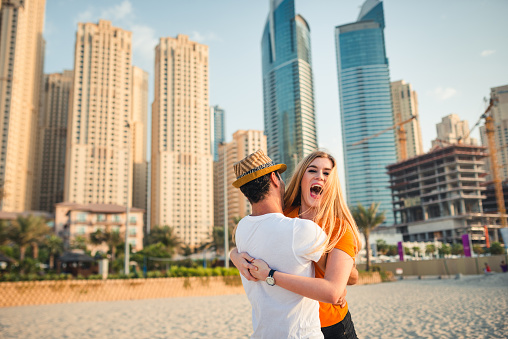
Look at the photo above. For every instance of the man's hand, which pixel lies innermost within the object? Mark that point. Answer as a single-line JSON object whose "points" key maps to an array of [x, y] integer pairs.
{"points": [[242, 261], [353, 276], [342, 300], [262, 269]]}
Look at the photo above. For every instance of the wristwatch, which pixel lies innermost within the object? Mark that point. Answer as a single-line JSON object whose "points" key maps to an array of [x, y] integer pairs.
{"points": [[270, 280]]}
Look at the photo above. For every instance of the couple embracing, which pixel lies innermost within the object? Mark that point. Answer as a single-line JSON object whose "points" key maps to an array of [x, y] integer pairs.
{"points": [[296, 250]]}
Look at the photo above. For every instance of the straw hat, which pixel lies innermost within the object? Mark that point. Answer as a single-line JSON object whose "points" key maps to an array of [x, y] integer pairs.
{"points": [[254, 166]]}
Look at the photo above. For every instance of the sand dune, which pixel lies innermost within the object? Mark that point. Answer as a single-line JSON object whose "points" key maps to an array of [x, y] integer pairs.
{"points": [[472, 307]]}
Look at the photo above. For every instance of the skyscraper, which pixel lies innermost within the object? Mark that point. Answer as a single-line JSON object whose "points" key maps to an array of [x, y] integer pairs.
{"points": [[53, 131], [139, 125], [243, 144], [405, 105], [288, 89], [99, 159], [218, 129], [21, 75], [451, 129], [182, 173], [366, 108], [499, 113]]}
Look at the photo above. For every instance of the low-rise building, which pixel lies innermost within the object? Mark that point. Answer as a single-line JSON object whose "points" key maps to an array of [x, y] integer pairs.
{"points": [[72, 220], [438, 196]]}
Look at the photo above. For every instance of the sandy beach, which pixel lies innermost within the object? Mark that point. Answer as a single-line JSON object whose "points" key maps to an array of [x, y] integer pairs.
{"points": [[470, 307]]}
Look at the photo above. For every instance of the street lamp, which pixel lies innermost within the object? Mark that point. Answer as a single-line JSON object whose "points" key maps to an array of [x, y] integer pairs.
{"points": [[127, 259]]}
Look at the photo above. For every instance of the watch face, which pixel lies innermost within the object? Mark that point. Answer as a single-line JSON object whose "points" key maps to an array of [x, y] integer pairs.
{"points": [[270, 281]]}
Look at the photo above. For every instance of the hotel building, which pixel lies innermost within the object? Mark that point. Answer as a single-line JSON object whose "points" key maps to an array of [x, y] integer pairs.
{"points": [[181, 162]]}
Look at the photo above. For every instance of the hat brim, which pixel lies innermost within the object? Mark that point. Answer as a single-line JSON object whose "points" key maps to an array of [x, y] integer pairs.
{"points": [[281, 168]]}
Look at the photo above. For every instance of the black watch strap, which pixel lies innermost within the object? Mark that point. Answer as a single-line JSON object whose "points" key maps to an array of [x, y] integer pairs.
{"points": [[272, 271]]}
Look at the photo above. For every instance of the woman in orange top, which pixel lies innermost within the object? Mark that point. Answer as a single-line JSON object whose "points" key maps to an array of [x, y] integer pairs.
{"points": [[314, 193]]}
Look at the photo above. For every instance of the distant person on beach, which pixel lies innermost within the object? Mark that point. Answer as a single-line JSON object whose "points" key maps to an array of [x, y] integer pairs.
{"points": [[314, 193], [286, 243], [504, 267], [487, 269]]}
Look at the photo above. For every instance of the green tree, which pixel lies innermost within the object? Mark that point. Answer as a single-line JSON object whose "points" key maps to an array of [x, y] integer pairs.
{"points": [[457, 249], [99, 237], [4, 232], [392, 250], [114, 240], [54, 245], [166, 236], [430, 249], [79, 242], [478, 249], [444, 250], [497, 248], [367, 219], [407, 251], [416, 251], [382, 247], [25, 231]]}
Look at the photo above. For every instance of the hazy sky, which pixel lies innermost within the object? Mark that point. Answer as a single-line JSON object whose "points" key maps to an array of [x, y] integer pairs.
{"points": [[452, 52]]}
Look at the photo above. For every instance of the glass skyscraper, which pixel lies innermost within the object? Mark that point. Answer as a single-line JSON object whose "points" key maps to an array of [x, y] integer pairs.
{"points": [[218, 115], [288, 89], [366, 108]]}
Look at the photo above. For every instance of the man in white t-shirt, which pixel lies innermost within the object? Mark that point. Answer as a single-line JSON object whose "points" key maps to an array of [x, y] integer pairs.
{"points": [[291, 245]]}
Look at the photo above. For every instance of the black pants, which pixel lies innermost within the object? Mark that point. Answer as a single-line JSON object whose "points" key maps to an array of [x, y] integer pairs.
{"points": [[341, 330]]}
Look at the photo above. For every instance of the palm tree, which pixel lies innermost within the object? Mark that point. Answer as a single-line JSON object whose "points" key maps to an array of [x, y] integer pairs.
{"points": [[114, 240], [55, 247], [166, 236], [367, 220], [79, 242], [4, 232], [430, 249], [26, 231]]}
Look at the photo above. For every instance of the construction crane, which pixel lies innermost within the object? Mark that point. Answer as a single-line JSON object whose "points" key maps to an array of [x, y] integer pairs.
{"points": [[494, 167], [401, 136]]}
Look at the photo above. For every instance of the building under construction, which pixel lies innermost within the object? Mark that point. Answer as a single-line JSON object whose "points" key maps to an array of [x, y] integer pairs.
{"points": [[438, 196]]}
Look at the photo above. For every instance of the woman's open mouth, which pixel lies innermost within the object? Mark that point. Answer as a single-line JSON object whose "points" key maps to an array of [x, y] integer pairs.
{"points": [[315, 191]]}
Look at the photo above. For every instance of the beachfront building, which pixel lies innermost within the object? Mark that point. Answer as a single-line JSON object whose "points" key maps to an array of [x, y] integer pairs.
{"points": [[56, 100], [74, 220], [405, 105], [139, 126], [181, 160], [21, 76], [452, 130], [438, 196], [366, 108], [243, 144], [499, 113], [99, 160], [288, 89], [218, 115]]}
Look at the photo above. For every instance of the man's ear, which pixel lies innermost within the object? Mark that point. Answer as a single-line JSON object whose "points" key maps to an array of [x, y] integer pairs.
{"points": [[274, 179]]}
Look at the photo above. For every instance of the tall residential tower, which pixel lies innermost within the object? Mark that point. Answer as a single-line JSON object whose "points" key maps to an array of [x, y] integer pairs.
{"points": [[181, 165], [405, 105], [21, 67], [99, 159], [366, 108], [53, 142], [218, 129], [288, 90]]}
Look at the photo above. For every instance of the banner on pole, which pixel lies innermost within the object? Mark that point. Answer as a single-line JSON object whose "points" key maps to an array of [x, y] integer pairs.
{"points": [[401, 250], [465, 244], [487, 240], [504, 235]]}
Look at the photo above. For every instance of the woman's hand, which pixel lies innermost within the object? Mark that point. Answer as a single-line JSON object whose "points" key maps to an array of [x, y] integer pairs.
{"points": [[242, 261], [262, 269], [342, 300]]}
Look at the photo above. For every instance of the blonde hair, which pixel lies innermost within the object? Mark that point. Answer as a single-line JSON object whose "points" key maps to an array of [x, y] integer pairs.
{"points": [[333, 214]]}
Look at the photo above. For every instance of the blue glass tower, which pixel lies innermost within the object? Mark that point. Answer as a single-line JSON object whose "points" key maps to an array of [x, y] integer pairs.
{"points": [[288, 88], [366, 108], [218, 116]]}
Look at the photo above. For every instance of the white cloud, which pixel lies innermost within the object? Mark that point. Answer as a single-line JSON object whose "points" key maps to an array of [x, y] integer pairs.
{"points": [[85, 16], [119, 12], [444, 93], [204, 37], [143, 45], [487, 52]]}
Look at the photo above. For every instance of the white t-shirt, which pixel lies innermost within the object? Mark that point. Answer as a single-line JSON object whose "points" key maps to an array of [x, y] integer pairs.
{"points": [[287, 245]]}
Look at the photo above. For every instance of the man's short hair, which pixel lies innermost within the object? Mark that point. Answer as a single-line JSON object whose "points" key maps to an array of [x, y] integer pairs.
{"points": [[257, 189]]}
